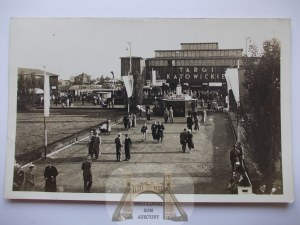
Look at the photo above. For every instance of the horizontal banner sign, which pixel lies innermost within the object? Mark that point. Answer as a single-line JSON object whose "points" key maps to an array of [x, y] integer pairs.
{"points": [[191, 74]]}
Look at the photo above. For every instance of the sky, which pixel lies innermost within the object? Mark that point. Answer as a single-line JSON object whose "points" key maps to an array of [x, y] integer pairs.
{"points": [[71, 46]]}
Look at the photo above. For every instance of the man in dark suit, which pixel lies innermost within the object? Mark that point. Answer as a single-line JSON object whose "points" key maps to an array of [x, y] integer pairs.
{"points": [[86, 167], [50, 175], [96, 146], [183, 140], [118, 142], [160, 132], [190, 141], [154, 129], [189, 122], [128, 144], [91, 143]]}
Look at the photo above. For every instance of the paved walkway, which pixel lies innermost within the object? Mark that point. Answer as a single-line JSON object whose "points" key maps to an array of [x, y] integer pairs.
{"points": [[205, 171]]}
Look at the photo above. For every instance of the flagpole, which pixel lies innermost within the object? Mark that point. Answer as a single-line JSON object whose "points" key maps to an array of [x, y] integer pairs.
{"points": [[46, 106], [113, 98], [45, 125], [45, 135]]}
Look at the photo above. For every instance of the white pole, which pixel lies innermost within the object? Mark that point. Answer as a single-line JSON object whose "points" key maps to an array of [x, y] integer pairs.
{"points": [[113, 98], [46, 107], [130, 67]]}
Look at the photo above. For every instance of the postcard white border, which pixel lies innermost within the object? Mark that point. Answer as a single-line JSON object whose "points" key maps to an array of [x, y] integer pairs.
{"points": [[288, 190]]}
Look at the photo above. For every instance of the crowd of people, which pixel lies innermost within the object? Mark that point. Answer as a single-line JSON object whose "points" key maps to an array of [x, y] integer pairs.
{"points": [[169, 115], [129, 121], [123, 145], [25, 180], [157, 130], [194, 120]]}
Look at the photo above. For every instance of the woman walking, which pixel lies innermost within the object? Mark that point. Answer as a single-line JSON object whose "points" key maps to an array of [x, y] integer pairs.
{"points": [[190, 141], [29, 178], [197, 124], [108, 126]]}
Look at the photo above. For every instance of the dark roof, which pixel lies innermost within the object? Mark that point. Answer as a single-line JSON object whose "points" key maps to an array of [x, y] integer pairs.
{"points": [[36, 72]]}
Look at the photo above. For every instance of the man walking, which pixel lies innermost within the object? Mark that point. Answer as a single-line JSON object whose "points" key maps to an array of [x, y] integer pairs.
{"points": [[91, 143], [190, 141], [96, 145], [234, 157], [50, 175], [128, 144], [154, 129], [183, 140], [118, 142], [160, 132], [189, 122], [87, 174], [166, 115]]}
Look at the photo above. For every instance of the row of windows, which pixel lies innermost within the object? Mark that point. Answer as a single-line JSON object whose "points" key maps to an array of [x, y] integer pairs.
{"points": [[204, 62], [199, 46], [199, 53]]}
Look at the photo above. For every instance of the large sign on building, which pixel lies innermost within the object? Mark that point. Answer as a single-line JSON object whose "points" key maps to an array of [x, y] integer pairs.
{"points": [[191, 74]]}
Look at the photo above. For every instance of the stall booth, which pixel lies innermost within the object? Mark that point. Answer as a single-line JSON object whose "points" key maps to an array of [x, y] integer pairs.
{"points": [[180, 105]]}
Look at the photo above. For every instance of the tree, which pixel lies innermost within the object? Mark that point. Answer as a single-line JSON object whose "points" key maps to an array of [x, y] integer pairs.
{"points": [[101, 80], [260, 109]]}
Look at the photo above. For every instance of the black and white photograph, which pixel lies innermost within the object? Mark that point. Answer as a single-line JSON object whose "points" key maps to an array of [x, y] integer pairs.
{"points": [[107, 109]]}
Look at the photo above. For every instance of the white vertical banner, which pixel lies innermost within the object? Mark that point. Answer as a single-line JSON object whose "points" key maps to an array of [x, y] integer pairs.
{"points": [[153, 77], [232, 78], [128, 82], [46, 94]]}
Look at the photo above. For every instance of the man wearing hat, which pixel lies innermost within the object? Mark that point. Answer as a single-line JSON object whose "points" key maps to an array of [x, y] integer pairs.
{"points": [[86, 167], [119, 145], [96, 145], [189, 122], [183, 140], [91, 143], [128, 144], [50, 175], [190, 141]]}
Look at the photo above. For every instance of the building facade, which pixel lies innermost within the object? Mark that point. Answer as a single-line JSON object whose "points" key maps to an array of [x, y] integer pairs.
{"points": [[82, 79], [35, 79], [137, 66], [196, 66]]}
